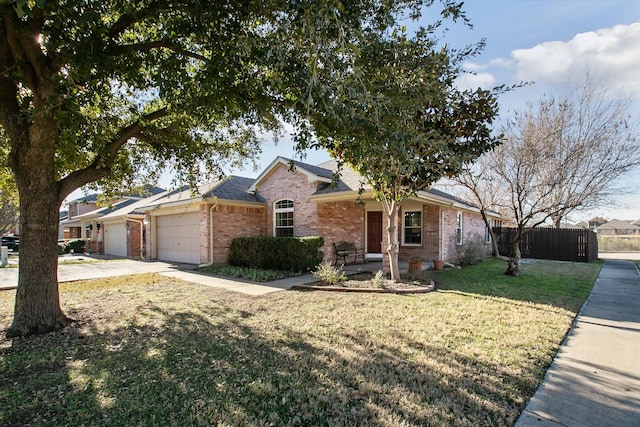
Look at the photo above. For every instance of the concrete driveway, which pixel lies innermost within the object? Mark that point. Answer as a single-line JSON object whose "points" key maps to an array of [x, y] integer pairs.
{"points": [[88, 267]]}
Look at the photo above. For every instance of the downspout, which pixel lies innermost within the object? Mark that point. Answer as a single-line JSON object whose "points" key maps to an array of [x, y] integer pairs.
{"points": [[141, 221], [213, 206]]}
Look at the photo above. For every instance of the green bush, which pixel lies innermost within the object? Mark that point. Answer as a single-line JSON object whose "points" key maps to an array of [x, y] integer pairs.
{"points": [[330, 275], [277, 253], [76, 245]]}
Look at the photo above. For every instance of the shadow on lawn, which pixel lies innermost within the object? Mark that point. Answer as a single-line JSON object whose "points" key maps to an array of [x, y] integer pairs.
{"points": [[211, 368]]}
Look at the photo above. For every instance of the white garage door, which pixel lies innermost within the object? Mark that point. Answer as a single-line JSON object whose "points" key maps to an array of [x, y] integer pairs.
{"points": [[115, 239], [178, 238]]}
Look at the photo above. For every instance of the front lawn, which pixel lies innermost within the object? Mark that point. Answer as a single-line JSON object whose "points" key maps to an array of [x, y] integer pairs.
{"points": [[150, 350]]}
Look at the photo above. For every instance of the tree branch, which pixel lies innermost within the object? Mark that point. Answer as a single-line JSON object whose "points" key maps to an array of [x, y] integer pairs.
{"points": [[102, 166], [128, 19], [164, 43]]}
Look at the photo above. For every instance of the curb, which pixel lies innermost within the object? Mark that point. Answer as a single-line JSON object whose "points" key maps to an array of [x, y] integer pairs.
{"points": [[421, 290]]}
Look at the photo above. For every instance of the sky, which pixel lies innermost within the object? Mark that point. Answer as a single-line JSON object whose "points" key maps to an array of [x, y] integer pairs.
{"points": [[546, 42]]}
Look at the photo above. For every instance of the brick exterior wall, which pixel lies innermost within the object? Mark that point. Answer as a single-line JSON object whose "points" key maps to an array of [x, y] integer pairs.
{"points": [[205, 234], [285, 184], [134, 243], [472, 226], [431, 240], [229, 222], [96, 247], [340, 221]]}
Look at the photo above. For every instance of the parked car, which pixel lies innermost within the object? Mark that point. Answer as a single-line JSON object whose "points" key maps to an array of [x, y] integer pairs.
{"points": [[11, 242]]}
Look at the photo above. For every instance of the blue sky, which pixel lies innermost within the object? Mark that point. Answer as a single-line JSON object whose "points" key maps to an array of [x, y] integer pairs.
{"points": [[542, 41], [545, 42]]}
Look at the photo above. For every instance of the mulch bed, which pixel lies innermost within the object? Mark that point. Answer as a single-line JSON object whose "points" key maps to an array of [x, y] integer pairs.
{"points": [[363, 283]]}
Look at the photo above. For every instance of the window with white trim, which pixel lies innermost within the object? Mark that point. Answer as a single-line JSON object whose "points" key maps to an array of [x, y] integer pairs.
{"points": [[494, 224], [283, 218], [412, 228], [459, 228]]}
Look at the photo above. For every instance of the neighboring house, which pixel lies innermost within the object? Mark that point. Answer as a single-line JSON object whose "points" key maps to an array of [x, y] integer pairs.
{"points": [[70, 226], [198, 227], [582, 224], [122, 229], [617, 227], [84, 220], [596, 222]]}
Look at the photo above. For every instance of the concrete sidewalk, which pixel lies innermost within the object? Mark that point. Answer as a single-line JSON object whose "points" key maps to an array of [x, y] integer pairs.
{"points": [[97, 267], [595, 378]]}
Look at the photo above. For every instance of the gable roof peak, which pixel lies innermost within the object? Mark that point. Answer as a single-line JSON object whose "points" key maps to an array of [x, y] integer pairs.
{"points": [[313, 173]]}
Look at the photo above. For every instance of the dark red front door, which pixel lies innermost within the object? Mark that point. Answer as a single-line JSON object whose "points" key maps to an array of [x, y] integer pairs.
{"points": [[374, 232]]}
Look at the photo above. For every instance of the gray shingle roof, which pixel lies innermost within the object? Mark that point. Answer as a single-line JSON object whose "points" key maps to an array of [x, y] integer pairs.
{"points": [[350, 181], [318, 170], [234, 188]]}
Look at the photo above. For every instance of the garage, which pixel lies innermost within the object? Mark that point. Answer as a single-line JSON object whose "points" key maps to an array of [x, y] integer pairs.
{"points": [[115, 239], [178, 237]]}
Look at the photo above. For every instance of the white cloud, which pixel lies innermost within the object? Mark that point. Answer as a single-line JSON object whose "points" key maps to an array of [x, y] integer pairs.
{"points": [[473, 66], [610, 51], [475, 80]]}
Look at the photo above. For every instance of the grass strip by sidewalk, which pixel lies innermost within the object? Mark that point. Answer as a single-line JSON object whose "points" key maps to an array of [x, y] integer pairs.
{"points": [[151, 350]]}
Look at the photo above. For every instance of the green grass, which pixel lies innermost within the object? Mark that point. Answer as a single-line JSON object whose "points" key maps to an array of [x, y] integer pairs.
{"points": [[150, 350], [255, 274], [561, 284]]}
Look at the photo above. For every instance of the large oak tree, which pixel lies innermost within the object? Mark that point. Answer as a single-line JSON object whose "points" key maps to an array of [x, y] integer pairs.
{"points": [[110, 90]]}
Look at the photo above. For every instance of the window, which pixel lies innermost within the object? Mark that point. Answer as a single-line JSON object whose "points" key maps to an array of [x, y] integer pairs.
{"points": [[283, 218], [412, 228], [494, 224], [459, 228]]}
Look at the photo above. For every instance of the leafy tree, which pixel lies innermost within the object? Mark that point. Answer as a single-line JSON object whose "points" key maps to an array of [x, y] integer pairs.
{"points": [[9, 213], [401, 122], [110, 90]]}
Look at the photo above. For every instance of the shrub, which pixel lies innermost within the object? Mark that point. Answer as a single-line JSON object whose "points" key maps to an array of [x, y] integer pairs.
{"points": [[255, 274], [76, 245], [330, 275], [472, 251], [277, 253], [379, 280]]}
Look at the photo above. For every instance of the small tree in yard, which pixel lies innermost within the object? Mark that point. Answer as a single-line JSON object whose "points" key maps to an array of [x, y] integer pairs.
{"points": [[404, 124], [104, 91], [561, 154]]}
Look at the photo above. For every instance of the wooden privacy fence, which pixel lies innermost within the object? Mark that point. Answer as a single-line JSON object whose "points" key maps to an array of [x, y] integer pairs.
{"points": [[551, 243]]}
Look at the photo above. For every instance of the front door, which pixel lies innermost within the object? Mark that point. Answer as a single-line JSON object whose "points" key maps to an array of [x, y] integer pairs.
{"points": [[374, 232]]}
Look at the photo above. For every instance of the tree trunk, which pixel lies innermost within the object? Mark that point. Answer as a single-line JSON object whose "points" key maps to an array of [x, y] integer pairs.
{"points": [[37, 308], [495, 249], [513, 265], [391, 210]]}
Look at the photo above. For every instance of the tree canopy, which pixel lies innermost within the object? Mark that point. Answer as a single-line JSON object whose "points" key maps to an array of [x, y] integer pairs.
{"points": [[402, 123], [114, 91]]}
